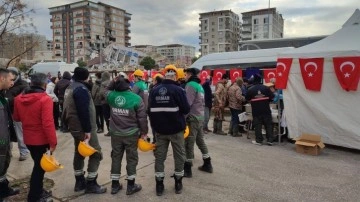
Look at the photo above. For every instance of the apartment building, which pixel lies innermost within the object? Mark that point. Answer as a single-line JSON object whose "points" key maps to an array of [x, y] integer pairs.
{"points": [[178, 54], [219, 31], [83, 27], [145, 48], [262, 24]]}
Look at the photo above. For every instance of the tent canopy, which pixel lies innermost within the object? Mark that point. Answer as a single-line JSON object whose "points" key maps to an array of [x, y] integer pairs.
{"points": [[333, 112]]}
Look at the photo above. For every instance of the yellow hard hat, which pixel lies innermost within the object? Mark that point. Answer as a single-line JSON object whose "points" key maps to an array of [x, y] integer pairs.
{"points": [[186, 132], [145, 146], [157, 75], [139, 73], [170, 68], [85, 149], [180, 73], [48, 163]]}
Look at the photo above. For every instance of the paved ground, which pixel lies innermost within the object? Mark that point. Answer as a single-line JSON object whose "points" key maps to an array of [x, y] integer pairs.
{"points": [[242, 172]]}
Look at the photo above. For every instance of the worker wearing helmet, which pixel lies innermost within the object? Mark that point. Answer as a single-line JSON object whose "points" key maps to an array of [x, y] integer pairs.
{"points": [[195, 96], [140, 88], [167, 109], [181, 77], [128, 121], [156, 80]]}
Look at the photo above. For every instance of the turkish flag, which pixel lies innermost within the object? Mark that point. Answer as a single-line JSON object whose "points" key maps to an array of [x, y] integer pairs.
{"points": [[269, 74], [217, 75], [145, 77], [347, 71], [131, 76], [234, 74], [312, 72], [153, 73], [283, 66], [203, 75]]}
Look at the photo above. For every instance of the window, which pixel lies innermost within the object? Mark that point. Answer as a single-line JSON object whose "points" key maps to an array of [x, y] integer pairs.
{"points": [[213, 23], [255, 36], [256, 28], [205, 21], [256, 21], [266, 20], [212, 36], [220, 33], [213, 30]]}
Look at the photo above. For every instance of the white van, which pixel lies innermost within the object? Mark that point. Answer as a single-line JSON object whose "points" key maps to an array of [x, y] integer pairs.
{"points": [[52, 68]]}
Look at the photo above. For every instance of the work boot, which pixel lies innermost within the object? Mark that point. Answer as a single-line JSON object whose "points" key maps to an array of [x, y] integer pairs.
{"points": [[236, 131], [132, 187], [80, 183], [187, 169], [115, 186], [206, 167], [93, 187], [6, 191], [231, 129], [215, 126], [159, 186], [219, 129], [100, 130], [178, 184]]}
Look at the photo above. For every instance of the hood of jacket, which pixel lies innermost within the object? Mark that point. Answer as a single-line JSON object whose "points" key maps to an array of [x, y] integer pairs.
{"points": [[195, 79], [31, 95], [105, 76], [66, 75]]}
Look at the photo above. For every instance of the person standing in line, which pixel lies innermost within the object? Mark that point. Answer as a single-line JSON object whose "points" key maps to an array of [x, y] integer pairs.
{"points": [[59, 91], [50, 91], [157, 79], [236, 101], [95, 93], [260, 97], [140, 88], [80, 116], [7, 134], [195, 119], [168, 106], [39, 130], [208, 103], [19, 86], [105, 80], [219, 104], [128, 122]]}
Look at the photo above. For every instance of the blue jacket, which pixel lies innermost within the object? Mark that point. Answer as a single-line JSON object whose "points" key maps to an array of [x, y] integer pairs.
{"points": [[168, 106]]}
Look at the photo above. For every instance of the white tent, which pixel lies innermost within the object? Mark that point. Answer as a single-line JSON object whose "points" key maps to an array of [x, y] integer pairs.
{"points": [[333, 112]]}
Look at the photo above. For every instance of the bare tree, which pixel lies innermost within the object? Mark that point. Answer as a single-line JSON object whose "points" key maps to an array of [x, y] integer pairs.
{"points": [[15, 19]]}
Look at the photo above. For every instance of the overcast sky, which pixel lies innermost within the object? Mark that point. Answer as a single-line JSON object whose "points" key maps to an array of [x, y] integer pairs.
{"points": [[159, 22]]}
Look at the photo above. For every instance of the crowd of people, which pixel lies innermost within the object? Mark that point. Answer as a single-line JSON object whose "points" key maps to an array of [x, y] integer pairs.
{"points": [[174, 100]]}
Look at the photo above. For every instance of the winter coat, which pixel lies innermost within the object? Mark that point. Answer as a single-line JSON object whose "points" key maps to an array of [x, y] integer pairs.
{"points": [[207, 93], [140, 88], [260, 97], [195, 97], [105, 81], [34, 109], [61, 86], [7, 130], [235, 98], [50, 91], [168, 106], [95, 92], [18, 87]]}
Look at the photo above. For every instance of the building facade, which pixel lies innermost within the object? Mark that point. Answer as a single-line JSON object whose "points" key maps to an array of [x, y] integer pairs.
{"points": [[83, 27], [180, 55], [145, 48], [219, 32], [262, 24]]}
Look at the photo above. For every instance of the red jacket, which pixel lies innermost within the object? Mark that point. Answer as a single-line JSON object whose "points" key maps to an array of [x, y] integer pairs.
{"points": [[34, 109]]}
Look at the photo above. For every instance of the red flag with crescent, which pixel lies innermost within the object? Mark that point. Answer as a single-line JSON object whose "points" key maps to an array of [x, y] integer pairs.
{"points": [[217, 75], [235, 73], [203, 75], [131, 76], [153, 73], [312, 72], [145, 77], [347, 70], [283, 66], [269, 74]]}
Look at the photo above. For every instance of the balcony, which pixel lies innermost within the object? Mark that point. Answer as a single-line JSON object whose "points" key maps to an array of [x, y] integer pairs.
{"points": [[58, 54], [87, 30], [57, 47], [127, 24], [127, 16], [78, 22], [87, 14], [57, 40], [79, 46], [79, 30], [78, 15], [127, 37], [57, 33], [87, 22]]}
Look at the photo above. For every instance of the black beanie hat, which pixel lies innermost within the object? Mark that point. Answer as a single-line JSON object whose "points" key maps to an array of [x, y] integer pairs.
{"points": [[193, 71], [122, 84], [80, 74]]}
